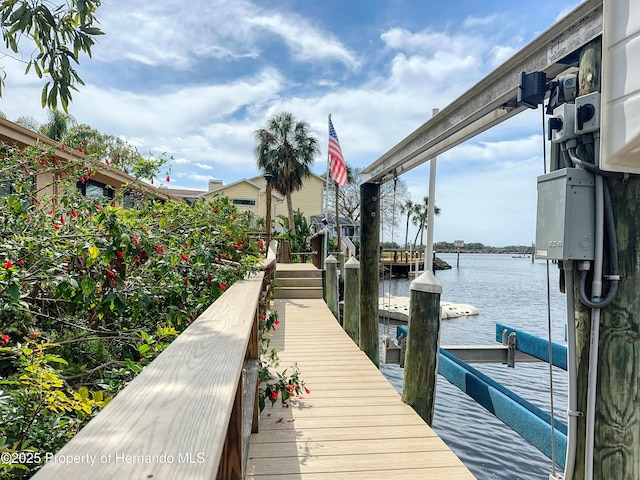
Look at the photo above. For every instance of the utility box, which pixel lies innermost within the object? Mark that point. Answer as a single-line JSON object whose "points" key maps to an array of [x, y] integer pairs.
{"points": [[565, 224]]}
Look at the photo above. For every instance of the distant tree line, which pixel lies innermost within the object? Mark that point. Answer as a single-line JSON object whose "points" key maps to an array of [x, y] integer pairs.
{"points": [[480, 247]]}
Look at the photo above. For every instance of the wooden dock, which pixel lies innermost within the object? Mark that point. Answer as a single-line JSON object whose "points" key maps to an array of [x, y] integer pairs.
{"points": [[352, 424]]}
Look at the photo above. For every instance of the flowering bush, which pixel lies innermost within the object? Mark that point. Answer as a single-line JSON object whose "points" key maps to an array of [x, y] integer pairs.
{"points": [[274, 384], [91, 292]]}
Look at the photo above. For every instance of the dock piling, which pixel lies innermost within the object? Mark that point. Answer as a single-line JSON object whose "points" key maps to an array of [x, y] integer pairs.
{"points": [[351, 320], [331, 294], [421, 360]]}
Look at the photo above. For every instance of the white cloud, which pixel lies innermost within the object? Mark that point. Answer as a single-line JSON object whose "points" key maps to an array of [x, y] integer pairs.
{"points": [[203, 166], [306, 42]]}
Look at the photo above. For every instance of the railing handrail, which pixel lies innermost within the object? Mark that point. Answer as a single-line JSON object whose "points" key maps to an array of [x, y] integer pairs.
{"points": [[179, 417]]}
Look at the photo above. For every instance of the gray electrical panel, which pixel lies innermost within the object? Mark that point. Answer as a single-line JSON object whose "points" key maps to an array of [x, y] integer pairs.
{"points": [[566, 215]]}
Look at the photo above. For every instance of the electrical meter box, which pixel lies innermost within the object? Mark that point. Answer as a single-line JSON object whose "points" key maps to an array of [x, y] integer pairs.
{"points": [[565, 224]]}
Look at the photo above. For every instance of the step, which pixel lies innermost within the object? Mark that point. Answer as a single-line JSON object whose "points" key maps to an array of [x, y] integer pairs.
{"points": [[298, 292], [290, 271], [298, 282]]}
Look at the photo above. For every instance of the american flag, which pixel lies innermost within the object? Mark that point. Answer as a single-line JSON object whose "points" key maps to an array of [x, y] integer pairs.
{"points": [[336, 160]]}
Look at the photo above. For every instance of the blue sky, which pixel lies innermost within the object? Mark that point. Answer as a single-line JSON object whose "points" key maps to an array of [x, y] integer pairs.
{"points": [[195, 80]]}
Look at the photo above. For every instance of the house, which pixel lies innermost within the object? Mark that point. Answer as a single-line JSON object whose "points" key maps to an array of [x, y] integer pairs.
{"points": [[348, 228], [105, 183], [250, 194]]}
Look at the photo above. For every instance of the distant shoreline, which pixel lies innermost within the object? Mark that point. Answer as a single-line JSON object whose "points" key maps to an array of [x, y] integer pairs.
{"points": [[524, 251]]}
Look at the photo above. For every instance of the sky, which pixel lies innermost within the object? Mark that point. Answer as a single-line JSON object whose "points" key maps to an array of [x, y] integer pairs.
{"points": [[194, 80]]}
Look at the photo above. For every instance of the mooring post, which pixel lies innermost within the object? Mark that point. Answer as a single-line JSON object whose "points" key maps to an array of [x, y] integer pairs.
{"points": [[331, 294], [369, 270], [423, 338], [351, 318]]}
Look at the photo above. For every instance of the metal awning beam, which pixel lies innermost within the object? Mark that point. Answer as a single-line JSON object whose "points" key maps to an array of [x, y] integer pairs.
{"points": [[493, 99]]}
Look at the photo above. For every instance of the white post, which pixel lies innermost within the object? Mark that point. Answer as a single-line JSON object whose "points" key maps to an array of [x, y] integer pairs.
{"points": [[428, 260]]}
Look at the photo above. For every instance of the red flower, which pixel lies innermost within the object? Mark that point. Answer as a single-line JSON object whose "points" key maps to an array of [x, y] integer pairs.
{"points": [[21, 262], [185, 282], [80, 149], [135, 240], [120, 254], [223, 286], [137, 259], [62, 220], [98, 207], [74, 214], [168, 179], [307, 390], [159, 250], [274, 394], [184, 257], [56, 226], [26, 170], [8, 264], [224, 255], [111, 273], [106, 160], [215, 209], [4, 339], [62, 148], [276, 322]]}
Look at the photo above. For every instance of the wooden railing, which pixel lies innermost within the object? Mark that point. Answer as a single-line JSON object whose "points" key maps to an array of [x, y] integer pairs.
{"points": [[189, 413]]}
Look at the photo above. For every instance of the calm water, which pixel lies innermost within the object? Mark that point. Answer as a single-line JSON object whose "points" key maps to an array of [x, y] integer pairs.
{"points": [[511, 291]]}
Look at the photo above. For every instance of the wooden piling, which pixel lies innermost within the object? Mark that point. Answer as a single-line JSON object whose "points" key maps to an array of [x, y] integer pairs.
{"points": [[331, 292], [617, 409], [369, 269], [351, 317], [421, 359]]}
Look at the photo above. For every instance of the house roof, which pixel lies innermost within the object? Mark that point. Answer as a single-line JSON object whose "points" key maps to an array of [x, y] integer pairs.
{"points": [[331, 220]]}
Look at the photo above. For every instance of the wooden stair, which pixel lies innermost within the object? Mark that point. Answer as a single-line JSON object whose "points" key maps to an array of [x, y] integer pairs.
{"points": [[298, 280]]}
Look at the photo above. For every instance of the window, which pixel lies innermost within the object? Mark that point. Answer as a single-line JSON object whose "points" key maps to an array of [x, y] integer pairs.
{"points": [[95, 190], [243, 201]]}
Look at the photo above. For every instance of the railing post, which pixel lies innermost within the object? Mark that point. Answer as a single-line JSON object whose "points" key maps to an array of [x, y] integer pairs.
{"points": [[351, 320], [331, 294], [421, 360]]}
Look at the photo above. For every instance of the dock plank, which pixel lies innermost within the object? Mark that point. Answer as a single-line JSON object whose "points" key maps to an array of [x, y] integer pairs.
{"points": [[353, 424]]}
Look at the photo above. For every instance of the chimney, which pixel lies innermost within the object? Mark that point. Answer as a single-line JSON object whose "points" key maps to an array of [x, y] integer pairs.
{"points": [[213, 184]]}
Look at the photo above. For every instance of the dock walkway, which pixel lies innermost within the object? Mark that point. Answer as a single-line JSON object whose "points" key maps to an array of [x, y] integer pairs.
{"points": [[353, 424]]}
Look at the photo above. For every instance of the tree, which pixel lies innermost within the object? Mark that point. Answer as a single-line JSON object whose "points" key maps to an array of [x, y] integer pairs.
{"points": [[420, 218], [286, 149], [114, 151], [58, 125], [57, 34], [28, 122], [349, 199], [408, 208]]}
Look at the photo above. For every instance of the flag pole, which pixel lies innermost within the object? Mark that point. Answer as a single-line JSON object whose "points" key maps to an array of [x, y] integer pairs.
{"points": [[326, 198]]}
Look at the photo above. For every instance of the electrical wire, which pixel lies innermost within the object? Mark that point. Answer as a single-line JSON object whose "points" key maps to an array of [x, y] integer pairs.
{"points": [[551, 406]]}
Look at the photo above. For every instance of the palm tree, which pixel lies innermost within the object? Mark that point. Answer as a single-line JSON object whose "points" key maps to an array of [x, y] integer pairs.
{"points": [[286, 149], [407, 207], [420, 218]]}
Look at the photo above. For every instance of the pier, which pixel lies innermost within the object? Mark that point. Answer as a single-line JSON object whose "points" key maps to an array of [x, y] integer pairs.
{"points": [[353, 423]]}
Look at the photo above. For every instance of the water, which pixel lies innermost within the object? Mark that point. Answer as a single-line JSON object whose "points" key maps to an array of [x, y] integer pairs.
{"points": [[511, 291]]}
